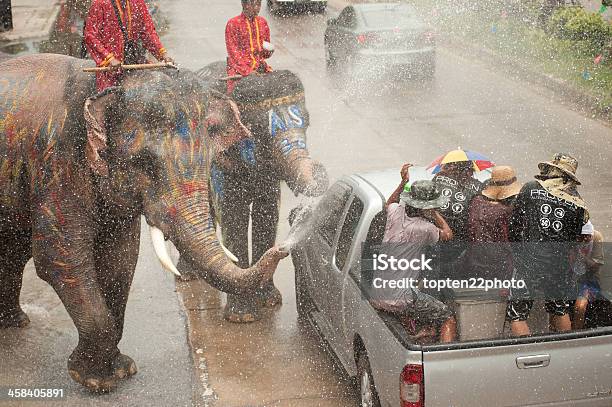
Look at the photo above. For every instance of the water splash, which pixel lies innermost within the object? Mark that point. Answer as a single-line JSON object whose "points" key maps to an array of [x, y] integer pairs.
{"points": [[301, 223]]}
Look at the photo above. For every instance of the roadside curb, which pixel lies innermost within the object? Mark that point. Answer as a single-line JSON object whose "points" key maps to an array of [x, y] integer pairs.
{"points": [[584, 101], [27, 20]]}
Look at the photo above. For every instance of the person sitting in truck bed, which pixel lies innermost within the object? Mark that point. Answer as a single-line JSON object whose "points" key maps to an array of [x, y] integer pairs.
{"points": [[489, 254], [457, 183], [547, 217], [415, 223], [590, 258]]}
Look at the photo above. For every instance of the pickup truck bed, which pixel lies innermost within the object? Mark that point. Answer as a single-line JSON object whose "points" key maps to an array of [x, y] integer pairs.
{"points": [[486, 368]]}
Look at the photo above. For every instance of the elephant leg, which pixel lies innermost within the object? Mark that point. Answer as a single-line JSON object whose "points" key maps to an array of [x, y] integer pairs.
{"points": [[15, 254], [235, 215], [116, 256], [265, 223], [62, 246], [235, 230]]}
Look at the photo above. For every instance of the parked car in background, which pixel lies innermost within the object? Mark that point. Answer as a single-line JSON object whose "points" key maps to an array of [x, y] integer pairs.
{"points": [[380, 36], [485, 367], [279, 6]]}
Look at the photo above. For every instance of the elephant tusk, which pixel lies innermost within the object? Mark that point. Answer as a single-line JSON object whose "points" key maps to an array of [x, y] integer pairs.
{"points": [[159, 245], [227, 252]]}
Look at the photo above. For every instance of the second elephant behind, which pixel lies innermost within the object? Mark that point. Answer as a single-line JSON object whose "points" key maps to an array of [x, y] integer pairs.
{"points": [[245, 183]]}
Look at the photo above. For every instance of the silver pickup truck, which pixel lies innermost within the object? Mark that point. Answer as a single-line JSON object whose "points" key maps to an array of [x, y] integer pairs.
{"points": [[485, 367]]}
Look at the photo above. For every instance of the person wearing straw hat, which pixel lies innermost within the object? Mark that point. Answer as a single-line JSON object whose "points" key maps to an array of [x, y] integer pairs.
{"points": [[113, 34], [247, 39], [413, 224], [489, 254], [548, 215]]}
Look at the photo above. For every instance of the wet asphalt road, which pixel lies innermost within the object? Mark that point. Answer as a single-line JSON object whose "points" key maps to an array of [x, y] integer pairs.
{"points": [[154, 336], [196, 357]]}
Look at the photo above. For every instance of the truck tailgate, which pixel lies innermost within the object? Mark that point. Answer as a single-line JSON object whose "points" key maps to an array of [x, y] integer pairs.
{"points": [[569, 372]]}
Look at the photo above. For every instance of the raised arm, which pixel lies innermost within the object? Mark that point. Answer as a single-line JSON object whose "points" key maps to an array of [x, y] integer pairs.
{"points": [[405, 177]]}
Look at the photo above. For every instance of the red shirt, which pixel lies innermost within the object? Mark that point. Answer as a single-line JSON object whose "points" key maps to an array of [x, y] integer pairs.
{"points": [[244, 41], [104, 38]]}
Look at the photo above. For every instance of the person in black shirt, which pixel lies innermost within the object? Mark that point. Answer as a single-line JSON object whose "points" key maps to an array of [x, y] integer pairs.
{"points": [[548, 215], [458, 185]]}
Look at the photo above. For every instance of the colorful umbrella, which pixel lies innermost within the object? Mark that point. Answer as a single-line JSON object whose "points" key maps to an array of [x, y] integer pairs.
{"points": [[480, 161]]}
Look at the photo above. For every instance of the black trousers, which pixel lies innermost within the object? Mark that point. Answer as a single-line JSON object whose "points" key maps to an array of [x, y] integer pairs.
{"points": [[6, 15]]}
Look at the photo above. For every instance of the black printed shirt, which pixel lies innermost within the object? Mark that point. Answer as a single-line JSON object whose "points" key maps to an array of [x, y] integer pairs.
{"points": [[459, 195], [539, 216]]}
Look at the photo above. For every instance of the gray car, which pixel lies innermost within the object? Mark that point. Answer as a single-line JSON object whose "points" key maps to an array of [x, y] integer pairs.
{"points": [[486, 367], [379, 36], [281, 6]]}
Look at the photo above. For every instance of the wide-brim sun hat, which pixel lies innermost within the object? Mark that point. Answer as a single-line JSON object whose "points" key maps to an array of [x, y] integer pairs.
{"points": [[423, 195], [503, 183], [563, 162]]}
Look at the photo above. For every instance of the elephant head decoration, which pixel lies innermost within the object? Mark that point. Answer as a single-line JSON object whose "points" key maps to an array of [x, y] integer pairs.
{"points": [[77, 173], [245, 181]]}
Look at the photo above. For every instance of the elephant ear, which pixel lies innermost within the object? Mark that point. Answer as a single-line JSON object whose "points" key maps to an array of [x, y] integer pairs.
{"points": [[95, 120], [222, 121]]}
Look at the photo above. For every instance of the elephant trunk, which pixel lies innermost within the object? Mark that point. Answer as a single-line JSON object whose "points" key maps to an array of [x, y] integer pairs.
{"points": [[303, 174], [194, 236]]}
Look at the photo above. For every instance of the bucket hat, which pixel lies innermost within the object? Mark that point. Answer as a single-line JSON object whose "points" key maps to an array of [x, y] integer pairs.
{"points": [[423, 195], [564, 162], [503, 183]]}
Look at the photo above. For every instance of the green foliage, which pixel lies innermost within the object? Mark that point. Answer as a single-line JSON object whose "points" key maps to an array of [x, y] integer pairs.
{"points": [[576, 24], [560, 47]]}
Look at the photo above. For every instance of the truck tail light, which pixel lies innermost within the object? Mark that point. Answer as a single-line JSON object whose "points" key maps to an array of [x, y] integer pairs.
{"points": [[412, 391]]}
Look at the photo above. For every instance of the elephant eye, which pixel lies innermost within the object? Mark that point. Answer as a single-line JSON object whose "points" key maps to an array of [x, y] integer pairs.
{"points": [[147, 162], [213, 127]]}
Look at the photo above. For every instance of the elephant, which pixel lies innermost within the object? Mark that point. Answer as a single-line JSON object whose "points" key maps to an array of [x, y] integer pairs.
{"points": [[245, 183], [76, 174]]}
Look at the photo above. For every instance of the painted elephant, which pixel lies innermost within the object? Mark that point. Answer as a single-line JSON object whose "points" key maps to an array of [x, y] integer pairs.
{"points": [[245, 185], [77, 173]]}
